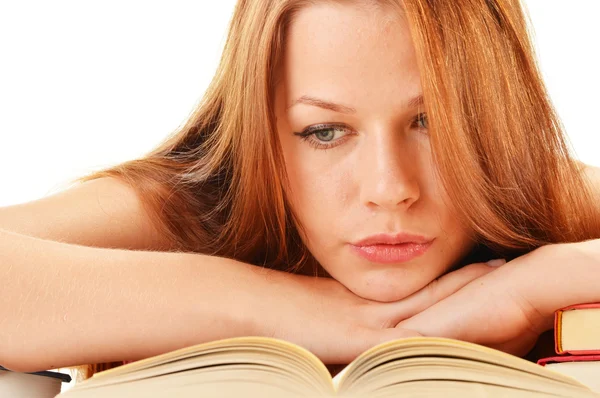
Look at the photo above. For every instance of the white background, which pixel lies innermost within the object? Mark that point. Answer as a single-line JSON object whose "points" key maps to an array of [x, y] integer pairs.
{"points": [[84, 85]]}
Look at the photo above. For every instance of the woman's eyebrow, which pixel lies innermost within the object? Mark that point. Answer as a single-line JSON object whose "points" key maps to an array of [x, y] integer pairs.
{"points": [[415, 102], [332, 106]]}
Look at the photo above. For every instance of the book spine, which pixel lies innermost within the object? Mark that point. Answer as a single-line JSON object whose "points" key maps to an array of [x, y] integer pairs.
{"points": [[558, 332]]}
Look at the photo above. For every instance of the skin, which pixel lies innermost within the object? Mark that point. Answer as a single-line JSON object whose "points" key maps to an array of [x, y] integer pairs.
{"points": [[377, 176]]}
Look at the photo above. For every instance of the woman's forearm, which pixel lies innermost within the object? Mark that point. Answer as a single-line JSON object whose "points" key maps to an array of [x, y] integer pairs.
{"points": [[569, 274], [65, 304]]}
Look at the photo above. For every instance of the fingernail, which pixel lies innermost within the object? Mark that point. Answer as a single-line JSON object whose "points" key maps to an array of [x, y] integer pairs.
{"points": [[497, 262]]}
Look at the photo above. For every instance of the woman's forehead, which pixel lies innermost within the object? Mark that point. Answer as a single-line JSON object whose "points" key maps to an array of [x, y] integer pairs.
{"points": [[345, 50]]}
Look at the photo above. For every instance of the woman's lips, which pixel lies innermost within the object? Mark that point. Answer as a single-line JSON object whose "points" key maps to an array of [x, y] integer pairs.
{"points": [[389, 254]]}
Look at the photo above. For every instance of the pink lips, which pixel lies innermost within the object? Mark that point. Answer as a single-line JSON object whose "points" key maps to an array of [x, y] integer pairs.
{"points": [[388, 249]]}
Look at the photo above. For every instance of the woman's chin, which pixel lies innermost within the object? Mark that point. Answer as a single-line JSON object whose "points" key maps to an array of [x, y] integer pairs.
{"points": [[377, 286], [381, 296]]}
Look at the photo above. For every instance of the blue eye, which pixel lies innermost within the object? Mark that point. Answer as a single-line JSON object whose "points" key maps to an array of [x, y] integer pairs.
{"points": [[323, 136]]}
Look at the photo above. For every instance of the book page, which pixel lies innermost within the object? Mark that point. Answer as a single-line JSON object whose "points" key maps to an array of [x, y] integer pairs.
{"points": [[579, 329], [424, 358], [586, 372], [276, 356]]}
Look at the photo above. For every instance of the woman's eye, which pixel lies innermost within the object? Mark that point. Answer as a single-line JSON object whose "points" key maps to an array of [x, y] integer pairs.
{"points": [[323, 136]]}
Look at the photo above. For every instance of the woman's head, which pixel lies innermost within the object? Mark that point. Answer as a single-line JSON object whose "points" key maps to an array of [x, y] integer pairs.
{"points": [[352, 125], [479, 166]]}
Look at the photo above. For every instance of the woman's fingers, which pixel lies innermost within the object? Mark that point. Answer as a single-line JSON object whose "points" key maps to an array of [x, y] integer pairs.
{"points": [[436, 291]]}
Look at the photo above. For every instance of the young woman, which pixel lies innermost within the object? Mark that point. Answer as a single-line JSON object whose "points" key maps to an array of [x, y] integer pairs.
{"points": [[349, 171]]}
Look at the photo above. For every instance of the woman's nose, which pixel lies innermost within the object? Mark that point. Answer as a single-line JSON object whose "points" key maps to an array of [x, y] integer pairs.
{"points": [[388, 173]]}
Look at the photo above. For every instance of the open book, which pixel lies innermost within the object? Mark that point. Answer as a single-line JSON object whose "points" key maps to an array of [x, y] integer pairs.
{"points": [[266, 367]]}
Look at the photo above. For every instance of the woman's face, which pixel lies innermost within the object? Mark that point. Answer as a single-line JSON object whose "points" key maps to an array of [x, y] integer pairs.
{"points": [[350, 77]]}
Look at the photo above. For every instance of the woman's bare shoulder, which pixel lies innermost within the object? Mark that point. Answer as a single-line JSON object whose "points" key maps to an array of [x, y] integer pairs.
{"points": [[104, 212]]}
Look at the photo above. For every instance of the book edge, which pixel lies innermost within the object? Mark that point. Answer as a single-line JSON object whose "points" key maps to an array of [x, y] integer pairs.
{"points": [[558, 348], [171, 355]]}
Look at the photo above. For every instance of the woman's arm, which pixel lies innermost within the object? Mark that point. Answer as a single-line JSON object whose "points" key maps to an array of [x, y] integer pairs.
{"points": [[510, 307], [569, 274], [65, 304]]}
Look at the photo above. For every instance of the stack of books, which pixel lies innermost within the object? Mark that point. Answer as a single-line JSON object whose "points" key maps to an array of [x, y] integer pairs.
{"points": [[577, 344]]}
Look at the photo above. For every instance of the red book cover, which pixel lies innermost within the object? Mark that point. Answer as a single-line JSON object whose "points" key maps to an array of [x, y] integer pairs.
{"points": [[569, 358], [558, 332]]}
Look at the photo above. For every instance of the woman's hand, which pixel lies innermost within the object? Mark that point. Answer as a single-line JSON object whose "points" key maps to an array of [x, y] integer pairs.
{"points": [[505, 307], [509, 308], [325, 317]]}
